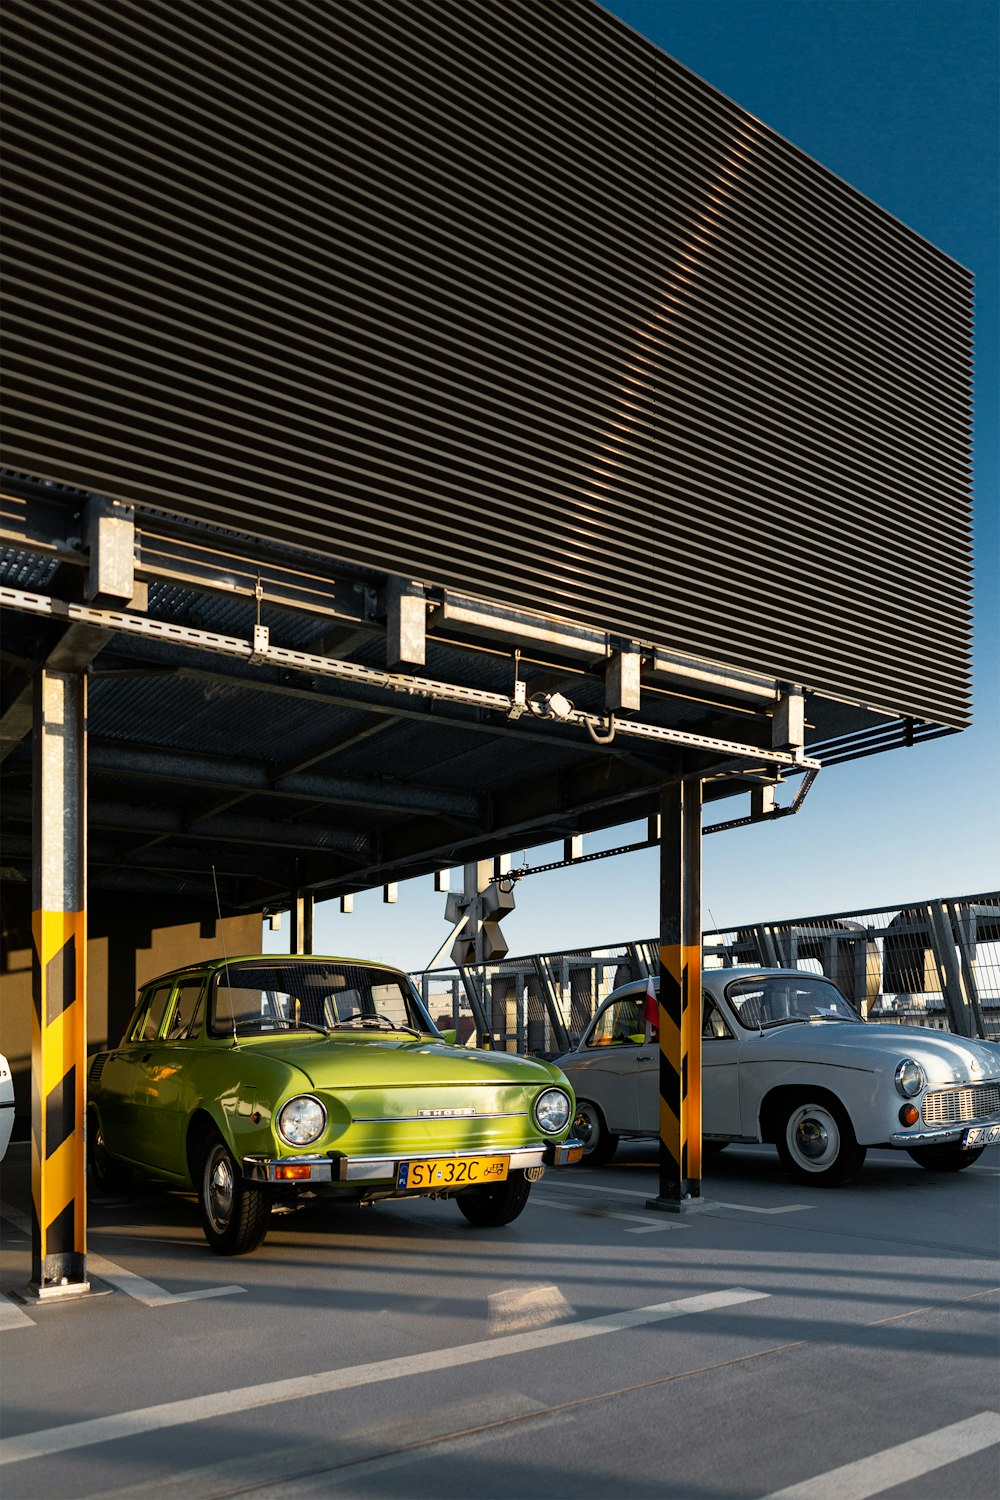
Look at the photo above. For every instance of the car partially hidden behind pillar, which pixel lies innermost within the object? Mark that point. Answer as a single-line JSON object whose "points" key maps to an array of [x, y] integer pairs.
{"points": [[257, 1080], [786, 1059]]}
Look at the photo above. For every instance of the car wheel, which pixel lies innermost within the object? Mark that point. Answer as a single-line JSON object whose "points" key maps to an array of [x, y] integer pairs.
{"points": [[599, 1144], [943, 1158], [488, 1207], [816, 1142], [234, 1212], [106, 1174]]}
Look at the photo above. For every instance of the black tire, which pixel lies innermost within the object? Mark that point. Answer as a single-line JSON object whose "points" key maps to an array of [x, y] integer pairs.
{"points": [[816, 1141], [489, 1207], [599, 1143], [106, 1174], [234, 1212], [944, 1158]]}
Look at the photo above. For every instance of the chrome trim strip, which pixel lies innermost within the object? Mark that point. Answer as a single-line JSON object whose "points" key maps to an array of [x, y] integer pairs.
{"points": [[520, 1114], [926, 1137], [377, 1169]]}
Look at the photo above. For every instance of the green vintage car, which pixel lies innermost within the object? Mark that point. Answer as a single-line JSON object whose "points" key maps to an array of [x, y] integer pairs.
{"points": [[258, 1079]]}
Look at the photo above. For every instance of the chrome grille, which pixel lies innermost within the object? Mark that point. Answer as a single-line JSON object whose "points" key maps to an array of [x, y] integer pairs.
{"points": [[954, 1106]]}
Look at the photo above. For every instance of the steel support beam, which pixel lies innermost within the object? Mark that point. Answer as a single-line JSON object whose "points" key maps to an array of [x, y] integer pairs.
{"points": [[255, 776], [680, 998], [59, 987]]}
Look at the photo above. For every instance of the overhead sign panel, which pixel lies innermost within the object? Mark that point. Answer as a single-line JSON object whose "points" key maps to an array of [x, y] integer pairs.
{"points": [[496, 297]]}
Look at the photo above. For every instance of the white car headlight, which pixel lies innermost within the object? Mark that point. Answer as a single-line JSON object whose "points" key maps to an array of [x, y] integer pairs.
{"points": [[910, 1078], [552, 1110], [302, 1120]]}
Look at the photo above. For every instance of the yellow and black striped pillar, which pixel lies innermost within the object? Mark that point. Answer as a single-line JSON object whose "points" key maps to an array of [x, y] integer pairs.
{"points": [[680, 997], [59, 987]]}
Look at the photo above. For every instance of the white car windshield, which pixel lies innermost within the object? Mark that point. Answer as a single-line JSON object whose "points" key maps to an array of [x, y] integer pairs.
{"points": [[782, 999]]}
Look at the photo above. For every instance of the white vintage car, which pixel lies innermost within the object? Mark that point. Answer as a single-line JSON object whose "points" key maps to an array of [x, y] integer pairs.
{"points": [[786, 1059], [6, 1105]]}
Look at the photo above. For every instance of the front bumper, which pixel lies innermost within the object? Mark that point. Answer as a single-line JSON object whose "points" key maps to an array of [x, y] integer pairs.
{"points": [[952, 1135], [380, 1171]]}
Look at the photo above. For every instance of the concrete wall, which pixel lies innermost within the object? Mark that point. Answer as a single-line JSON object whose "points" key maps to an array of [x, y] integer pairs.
{"points": [[124, 951]]}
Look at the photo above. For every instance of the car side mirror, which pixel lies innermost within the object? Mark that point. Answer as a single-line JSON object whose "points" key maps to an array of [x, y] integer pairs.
{"points": [[450, 1036]]}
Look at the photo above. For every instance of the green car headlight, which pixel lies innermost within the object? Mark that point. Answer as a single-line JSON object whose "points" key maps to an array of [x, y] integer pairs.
{"points": [[552, 1110], [910, 1078], [302, 1120]]}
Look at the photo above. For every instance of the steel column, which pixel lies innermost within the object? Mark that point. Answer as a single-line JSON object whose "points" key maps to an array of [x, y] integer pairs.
{"points": [[547, 992], [301, 936], [956, 1001], [680, 998], [963, 922], [59, 987]]}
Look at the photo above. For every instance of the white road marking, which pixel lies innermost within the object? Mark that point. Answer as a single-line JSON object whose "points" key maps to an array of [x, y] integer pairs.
{"points": [[11, 1316], [283, 1471], [146, 1292], [748, 1208], [895, 1466], [526, 1307], [646, 1226], [248, 1398], [751, 1208]]}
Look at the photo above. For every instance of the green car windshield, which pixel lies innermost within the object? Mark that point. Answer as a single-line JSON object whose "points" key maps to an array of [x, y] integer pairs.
{"points": [[299, 995]]}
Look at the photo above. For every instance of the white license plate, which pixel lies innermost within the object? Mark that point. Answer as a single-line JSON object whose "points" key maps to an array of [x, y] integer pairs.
{"points": [[981, 1135]]}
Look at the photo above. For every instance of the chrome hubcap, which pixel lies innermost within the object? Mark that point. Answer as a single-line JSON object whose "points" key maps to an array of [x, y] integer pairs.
{"points": [[220, 1189], [814, 1137], [585, 1127], [811, 1139]]}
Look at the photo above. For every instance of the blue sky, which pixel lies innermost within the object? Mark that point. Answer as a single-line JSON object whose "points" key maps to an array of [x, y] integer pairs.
{"points": [[900, 99]]}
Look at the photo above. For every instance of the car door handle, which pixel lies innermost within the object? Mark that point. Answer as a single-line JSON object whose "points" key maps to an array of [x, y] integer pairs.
{"points": [[646, 1056], [146, 1056]]}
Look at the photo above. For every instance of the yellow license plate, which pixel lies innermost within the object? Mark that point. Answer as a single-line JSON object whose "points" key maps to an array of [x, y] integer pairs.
{"points": [[452, 1171]]}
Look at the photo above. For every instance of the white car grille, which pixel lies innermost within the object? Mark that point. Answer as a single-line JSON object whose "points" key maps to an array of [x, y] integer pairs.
{"points": [[954, 1106]]}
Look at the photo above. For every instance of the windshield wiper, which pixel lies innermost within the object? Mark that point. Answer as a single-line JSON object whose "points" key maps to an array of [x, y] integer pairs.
{"points": [[375, 1023]]}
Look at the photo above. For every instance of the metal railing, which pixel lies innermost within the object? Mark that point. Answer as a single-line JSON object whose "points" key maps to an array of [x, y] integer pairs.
{"points": [[932, 963]]}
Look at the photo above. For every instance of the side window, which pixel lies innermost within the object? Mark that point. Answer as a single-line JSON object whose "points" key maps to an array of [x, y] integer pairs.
{"points": [[188, 1005], [620, 1024], [713, 1022], [148, 1020]]}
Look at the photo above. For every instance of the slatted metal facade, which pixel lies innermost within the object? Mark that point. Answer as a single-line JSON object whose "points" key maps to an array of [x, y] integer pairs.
{"points": [[493, 294]]}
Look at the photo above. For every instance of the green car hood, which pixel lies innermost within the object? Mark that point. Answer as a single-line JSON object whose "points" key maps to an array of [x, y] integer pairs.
{"points": [[388, 1062]]}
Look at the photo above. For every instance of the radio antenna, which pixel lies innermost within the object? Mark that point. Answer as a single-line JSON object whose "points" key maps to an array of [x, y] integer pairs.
{"points": [[225, 955]]}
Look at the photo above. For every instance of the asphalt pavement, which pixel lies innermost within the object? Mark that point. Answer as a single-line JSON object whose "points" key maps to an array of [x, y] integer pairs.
{"points": [[783, 1343]]}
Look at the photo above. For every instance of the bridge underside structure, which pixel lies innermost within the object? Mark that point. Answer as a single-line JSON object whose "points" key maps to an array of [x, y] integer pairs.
{"points": [[302, 728], [433, 430], [243, 728]]}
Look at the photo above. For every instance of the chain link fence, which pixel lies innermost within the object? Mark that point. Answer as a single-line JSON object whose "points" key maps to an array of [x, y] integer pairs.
{"points": [[933, 963]]}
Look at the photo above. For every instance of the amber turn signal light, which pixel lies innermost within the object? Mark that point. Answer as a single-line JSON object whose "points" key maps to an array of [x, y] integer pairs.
{"points": [[909, 1114], [293, 1173]]}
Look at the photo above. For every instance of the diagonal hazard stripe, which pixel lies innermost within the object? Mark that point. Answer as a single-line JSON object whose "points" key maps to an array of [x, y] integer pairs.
{"points": [[60, 1112], [670, 1084], [672, 959], [670, 1130], [60, 980], [670, 1040]]}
